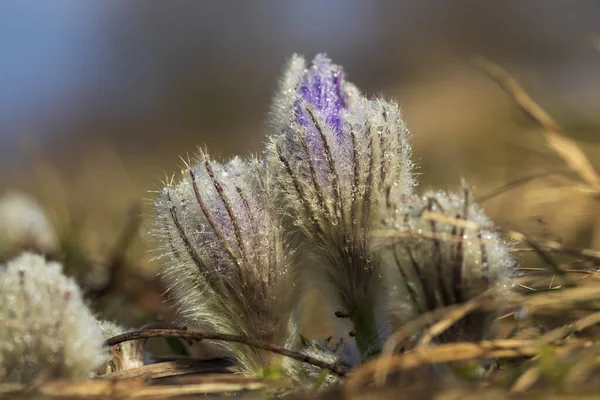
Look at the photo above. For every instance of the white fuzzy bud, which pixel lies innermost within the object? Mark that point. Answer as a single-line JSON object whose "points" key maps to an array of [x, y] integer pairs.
{"points": [[227, 265], [446, 252], [46, 330]]}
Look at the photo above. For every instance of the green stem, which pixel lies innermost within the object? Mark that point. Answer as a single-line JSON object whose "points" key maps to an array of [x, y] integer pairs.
{"points": [[365, 326]]}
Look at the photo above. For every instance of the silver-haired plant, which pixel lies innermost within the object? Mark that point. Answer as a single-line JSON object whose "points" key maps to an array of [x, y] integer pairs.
{"points": [[332, 151], [227, 265], [46, 330], [445, 252]]}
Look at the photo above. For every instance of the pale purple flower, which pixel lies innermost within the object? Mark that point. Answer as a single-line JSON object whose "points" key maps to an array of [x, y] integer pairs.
{"points": [[324, 88], [226, 261], [332, 152]]}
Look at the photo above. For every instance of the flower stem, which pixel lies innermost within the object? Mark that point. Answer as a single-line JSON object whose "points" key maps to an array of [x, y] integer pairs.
{"points": [[365, 326]]}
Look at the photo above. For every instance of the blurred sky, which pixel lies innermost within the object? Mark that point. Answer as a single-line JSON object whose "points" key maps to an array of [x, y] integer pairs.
{"points": [[81, 69]]}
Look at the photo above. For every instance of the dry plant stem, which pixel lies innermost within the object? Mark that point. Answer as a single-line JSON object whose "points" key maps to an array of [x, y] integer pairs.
{"points": [[526, 380], [563, 299], [391, 237], [150, 333], [582, 371], [565, 147], [587, 254], [411, 327], [454, 352], [173, 368], [452, 317], [515, 184], [139, 389], [577, 326]]}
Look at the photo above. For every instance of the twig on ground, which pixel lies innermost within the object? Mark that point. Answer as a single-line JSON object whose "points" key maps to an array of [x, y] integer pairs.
{"points": [[195, 335]]}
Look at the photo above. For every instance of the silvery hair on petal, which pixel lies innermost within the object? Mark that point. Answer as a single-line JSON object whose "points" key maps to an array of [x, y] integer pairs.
{"points": [[226, 264], [331, 152], [47, 331], [446, 252]]}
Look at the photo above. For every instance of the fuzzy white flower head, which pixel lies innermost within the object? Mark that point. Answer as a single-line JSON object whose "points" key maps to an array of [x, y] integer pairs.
{"points": [[225, 258], [446, 252], [332, 152], [24, 225], [46, 330]]}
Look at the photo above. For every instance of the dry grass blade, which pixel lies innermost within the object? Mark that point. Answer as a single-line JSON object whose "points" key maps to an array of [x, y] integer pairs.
{"points": [[577, 326], [558, 299], [564, 146], [216, 384], [408, 329], [526, 380], [515, 184], [583, 370], [136, 388], [88, 388], [173, 368], [587, 254], [454, 352], [451, 318]]}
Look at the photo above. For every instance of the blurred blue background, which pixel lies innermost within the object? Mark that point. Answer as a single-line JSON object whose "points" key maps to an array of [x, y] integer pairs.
{"points": [[99, 99], [74, 72]]}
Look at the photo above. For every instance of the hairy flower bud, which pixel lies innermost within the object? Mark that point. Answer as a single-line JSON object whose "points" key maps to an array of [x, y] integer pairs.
{"points": [[332, 152], [446, 252], [226, 261], [47, 330], [322, 85]]}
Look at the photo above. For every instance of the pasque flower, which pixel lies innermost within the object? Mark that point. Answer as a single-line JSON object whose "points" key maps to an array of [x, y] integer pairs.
{"points": [[227, 264], [47, 330], [337, 172], [332, 151], [446, 252]]}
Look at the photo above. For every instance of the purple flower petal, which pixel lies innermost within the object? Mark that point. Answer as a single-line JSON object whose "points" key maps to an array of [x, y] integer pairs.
{"points": [[321, 86]]}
